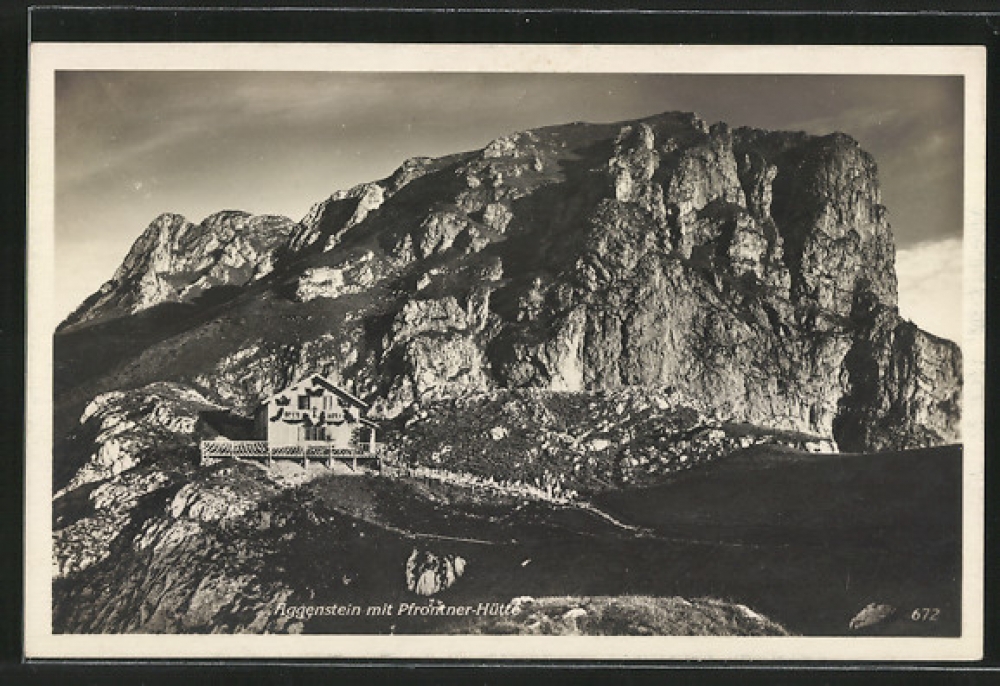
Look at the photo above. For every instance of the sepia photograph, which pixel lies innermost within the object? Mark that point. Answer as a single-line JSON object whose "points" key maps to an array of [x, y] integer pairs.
{"points": [[559, 352]]}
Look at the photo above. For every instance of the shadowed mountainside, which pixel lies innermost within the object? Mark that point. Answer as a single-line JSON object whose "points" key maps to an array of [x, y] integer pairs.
{"points": [[807, 541], [754, 268], [604, 357]]}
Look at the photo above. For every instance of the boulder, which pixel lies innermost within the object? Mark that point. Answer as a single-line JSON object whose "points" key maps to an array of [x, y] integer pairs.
{"points": [[429, 573], [871, 615]]}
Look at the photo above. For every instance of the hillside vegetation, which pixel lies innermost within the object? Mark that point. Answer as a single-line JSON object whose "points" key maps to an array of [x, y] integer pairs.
{"points": [[771, 529], [612, 365]]}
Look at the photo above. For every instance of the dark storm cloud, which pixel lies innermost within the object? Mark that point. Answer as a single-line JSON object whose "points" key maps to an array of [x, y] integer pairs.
{"points": [[130, 145]]}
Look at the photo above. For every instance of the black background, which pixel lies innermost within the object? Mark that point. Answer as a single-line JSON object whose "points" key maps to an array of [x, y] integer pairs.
{"points": [[850, 22]]}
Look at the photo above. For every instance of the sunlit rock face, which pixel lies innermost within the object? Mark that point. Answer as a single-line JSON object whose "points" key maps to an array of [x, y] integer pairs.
{"points": [[569, 309], [131, 426], [750, 267], [177, 261]]}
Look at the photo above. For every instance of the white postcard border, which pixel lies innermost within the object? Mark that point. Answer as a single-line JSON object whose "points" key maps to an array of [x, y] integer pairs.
{"points": [[46, 58]]}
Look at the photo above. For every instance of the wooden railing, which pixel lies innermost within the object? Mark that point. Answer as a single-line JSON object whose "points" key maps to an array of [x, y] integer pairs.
{"points": [[234, 449], [305, 452]]}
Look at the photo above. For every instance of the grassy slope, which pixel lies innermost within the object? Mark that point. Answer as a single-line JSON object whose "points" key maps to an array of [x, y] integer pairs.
{"points": [[811, 539], [806, 540], [771, 529], [875, 499]]}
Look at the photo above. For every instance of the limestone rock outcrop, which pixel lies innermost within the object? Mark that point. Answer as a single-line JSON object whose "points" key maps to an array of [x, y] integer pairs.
{"points": [[755, 268], [177, 261], [428, 573], [130, 426], [568, 310]]}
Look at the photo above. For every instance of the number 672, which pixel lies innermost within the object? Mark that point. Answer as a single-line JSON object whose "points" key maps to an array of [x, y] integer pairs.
{"points": [[925, 614]]}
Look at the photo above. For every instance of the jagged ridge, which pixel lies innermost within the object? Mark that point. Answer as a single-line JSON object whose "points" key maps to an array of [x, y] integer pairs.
{"points": [[753, 268]]}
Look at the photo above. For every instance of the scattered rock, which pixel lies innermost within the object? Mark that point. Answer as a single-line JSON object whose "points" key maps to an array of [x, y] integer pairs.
{"points": [[871, 615], [700, 279], [509, 146], [754, 268], [428, 573], [439, 231], [136, 425], [497, 216], [567, 443], [209, 503], [333, 282]]}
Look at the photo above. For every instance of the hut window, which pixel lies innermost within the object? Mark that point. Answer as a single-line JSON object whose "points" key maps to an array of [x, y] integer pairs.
{"points": [[314, 433], [303, 402]]}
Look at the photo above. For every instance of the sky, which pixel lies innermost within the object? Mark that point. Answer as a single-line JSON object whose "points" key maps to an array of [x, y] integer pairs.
{"points": [[131, 145]]}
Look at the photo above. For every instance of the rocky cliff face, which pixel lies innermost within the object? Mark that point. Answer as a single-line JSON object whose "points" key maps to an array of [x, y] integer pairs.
{"points": [[753, 268], [567, 311], [177, 261]]}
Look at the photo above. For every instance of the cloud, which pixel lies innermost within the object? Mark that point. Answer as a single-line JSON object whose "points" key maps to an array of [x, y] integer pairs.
{"points": [[930, 286]]}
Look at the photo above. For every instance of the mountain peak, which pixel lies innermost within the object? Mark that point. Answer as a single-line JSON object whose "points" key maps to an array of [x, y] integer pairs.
{"points": [[752, 267], [174, 260]]}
